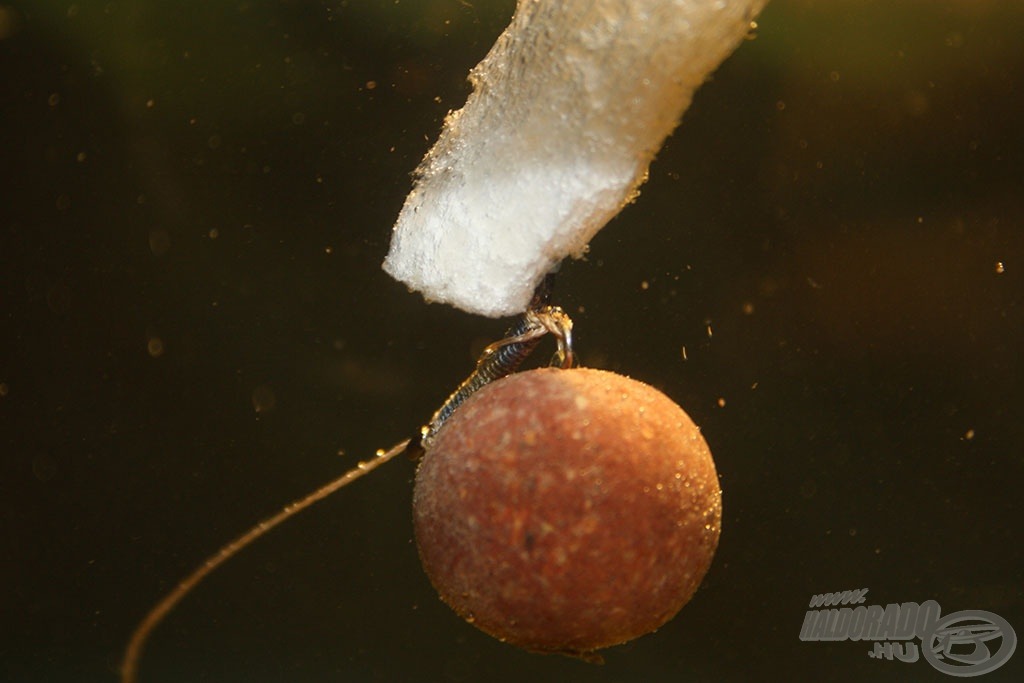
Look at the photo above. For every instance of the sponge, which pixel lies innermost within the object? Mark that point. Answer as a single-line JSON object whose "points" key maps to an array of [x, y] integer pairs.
{"points": [[568, 109]]}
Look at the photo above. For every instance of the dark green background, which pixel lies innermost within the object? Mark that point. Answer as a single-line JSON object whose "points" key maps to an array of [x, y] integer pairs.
{"points": [[221, 177]]}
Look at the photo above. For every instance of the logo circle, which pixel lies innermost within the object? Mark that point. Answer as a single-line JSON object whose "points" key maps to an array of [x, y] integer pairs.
{"points": [[973, 629]]}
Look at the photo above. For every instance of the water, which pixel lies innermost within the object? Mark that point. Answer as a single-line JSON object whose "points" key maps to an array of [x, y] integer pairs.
{"points": [[195, 322]]}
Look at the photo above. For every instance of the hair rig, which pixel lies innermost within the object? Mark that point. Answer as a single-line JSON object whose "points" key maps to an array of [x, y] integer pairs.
{"points": [[498, 360]]}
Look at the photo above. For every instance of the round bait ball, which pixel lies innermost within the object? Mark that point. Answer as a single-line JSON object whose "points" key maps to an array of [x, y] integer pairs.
{"points": [[567, 510]]}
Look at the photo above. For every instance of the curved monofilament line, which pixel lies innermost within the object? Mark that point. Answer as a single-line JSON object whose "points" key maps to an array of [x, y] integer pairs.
{"points": [[132, 653]]}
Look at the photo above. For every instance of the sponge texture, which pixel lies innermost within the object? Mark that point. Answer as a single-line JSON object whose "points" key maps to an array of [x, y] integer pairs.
{"points": [[568, 109]]}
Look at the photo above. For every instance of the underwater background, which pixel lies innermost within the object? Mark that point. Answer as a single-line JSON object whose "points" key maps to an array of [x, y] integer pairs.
{"points": [[825, 269]]}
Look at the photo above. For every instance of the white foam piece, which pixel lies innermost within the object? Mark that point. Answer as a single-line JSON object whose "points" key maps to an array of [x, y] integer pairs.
{"points": [[568, 109]]}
